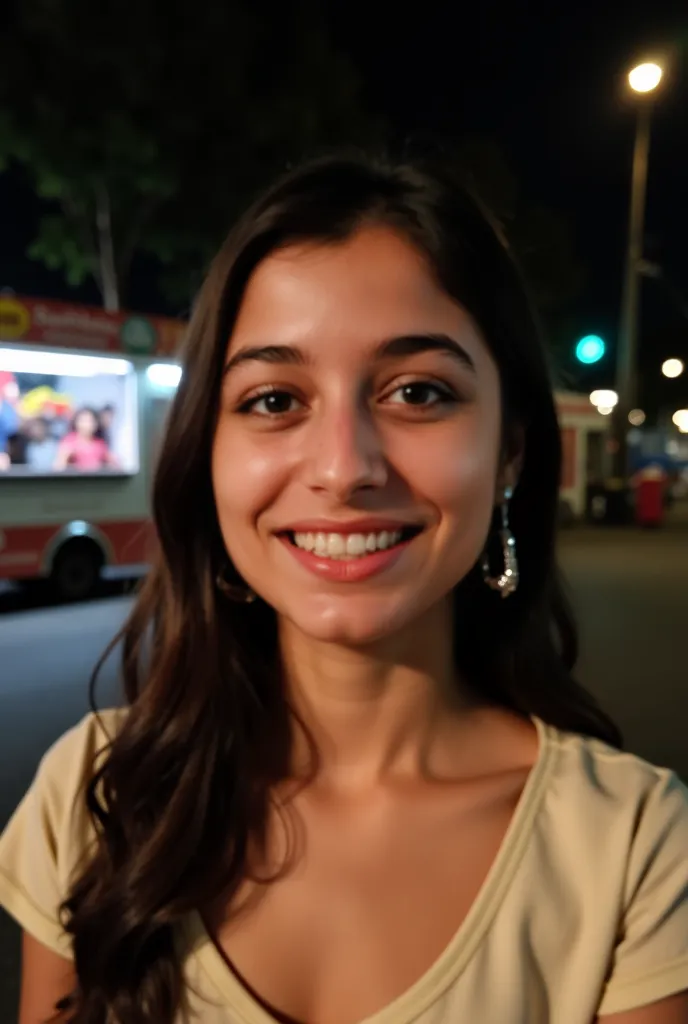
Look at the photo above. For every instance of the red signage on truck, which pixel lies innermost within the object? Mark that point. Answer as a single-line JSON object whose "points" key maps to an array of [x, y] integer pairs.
{"points": [[62, 325]]}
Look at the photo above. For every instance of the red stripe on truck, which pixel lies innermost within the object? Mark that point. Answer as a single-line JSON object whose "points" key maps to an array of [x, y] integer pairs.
{"points": [[24, 549]]}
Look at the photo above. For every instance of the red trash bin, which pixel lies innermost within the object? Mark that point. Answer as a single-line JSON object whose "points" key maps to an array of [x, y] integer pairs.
{"points": [[649, 497]]}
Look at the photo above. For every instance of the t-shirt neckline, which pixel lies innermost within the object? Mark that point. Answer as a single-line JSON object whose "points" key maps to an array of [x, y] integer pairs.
{"points": [[461, 947]]}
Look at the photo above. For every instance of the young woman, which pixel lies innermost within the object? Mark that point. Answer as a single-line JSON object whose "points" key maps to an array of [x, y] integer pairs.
{"points": [[83, 447], [354, 779]]}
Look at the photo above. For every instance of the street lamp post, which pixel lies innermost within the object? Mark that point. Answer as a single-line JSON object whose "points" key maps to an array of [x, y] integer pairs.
{"points": [[643, 79]]}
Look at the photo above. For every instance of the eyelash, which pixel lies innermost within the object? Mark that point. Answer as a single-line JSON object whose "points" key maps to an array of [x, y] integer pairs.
{"points": [[446, 397]]}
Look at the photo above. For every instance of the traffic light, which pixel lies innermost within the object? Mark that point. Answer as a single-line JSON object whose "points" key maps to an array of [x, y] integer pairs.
{"points": [[590, 349]]}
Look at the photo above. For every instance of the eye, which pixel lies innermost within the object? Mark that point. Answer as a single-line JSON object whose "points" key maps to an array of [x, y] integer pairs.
{"points": [[421, 393], [270, 403]]}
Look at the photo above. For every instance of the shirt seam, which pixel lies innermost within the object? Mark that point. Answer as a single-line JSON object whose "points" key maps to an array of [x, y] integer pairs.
{"points": [[563, 743], [645, 989], [619, 983]]}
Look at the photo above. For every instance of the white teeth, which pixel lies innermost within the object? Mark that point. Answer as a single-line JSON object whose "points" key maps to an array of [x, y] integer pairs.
{"points": [[336, 545], [355, 544], [352, 545], [320, 546]]}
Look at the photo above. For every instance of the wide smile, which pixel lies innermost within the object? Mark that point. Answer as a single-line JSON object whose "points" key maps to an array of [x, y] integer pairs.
{"points": [[349, 557]]}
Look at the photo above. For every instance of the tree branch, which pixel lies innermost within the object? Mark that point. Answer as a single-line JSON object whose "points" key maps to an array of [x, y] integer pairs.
{"points": [[106, 249], [127, 247], [81, 222]]}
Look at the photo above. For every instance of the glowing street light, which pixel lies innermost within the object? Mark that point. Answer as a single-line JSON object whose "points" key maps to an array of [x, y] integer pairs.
{"points": [[645, 77], [643, 80], [604, 400], [680, 420], [672, 368]]}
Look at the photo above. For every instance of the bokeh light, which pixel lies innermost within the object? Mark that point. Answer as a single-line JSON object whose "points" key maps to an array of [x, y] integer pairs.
{"points": [[590, 349], [645, 77], [680, 420], [604, 401], [672, 368]]}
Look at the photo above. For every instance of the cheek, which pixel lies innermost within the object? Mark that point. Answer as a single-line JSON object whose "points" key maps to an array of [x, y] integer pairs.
{"points": [[458, 471], [246, 479], [460, 481]]}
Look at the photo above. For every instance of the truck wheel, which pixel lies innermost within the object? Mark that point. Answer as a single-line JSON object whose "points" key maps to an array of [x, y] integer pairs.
{"points": [[76, 570]]}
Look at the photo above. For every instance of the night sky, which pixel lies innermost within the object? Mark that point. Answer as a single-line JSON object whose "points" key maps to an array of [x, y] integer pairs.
{"points": [[550, 86]]}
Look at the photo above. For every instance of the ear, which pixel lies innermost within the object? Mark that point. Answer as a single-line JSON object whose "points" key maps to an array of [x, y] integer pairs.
{"points": [[510, 463]]}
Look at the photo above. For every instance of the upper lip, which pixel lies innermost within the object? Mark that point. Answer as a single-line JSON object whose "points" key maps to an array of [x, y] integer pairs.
{"points": [[369, 524]]}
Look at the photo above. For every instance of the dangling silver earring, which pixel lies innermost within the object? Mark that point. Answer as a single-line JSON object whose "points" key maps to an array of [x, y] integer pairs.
{"points": [[239, 592], [507, 582]]}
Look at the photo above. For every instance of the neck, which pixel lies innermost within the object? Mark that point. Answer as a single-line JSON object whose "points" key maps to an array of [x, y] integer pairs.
{"points": [[379, 711]]}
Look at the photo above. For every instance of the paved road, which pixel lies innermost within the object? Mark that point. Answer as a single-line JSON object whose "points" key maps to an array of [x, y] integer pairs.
{"points": [[631, 595], [630, 589], [46, 658]]}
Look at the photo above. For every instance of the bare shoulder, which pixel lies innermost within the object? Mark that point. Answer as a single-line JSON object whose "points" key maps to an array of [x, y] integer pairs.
{"points": [[46, 978], [483, 743], [506, 741]]}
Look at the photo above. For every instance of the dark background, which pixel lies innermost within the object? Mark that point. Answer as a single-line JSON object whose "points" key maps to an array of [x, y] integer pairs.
{"points": [[548, 83]]}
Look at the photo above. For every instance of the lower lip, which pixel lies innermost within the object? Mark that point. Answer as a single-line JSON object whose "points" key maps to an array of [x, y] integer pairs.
{"points": [[347, 570]]}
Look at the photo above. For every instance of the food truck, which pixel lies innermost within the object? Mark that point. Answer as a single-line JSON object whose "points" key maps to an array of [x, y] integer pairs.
{"points": [[83, 399]]}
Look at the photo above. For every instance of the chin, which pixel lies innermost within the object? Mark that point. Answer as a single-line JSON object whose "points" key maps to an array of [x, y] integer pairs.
{"points": [[352, 623]]}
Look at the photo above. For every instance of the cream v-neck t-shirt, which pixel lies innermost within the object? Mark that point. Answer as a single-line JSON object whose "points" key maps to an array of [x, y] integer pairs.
{"points": [[584, 911]]}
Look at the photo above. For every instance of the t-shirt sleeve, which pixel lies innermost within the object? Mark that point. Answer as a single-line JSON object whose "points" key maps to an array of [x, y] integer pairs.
{"points": [[651, 957], [49, 835]]}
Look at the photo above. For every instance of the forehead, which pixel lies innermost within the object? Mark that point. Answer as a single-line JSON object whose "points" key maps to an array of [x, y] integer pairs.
{"points": [[375, 284]]}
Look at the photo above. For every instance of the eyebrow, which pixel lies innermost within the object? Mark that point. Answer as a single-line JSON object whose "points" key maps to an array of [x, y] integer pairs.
{"points": [[392, 348]]}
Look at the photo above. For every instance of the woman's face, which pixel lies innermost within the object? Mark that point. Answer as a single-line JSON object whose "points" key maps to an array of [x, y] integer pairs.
{"points": [[85, 424], [356, 460]]}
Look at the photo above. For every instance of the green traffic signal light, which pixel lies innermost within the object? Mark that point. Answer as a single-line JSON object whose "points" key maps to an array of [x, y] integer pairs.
{"points": [[590, 349]]}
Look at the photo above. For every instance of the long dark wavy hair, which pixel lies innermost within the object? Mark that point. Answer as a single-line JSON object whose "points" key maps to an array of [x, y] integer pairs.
{"points": [[185, 786]]}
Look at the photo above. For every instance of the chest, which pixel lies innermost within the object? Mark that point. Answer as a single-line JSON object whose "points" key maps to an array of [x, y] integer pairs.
{"points": [[367, 903], [86, 453]]}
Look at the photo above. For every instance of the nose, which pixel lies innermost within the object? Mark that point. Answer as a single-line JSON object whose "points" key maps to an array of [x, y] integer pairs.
{"points": [[347, 454]]}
